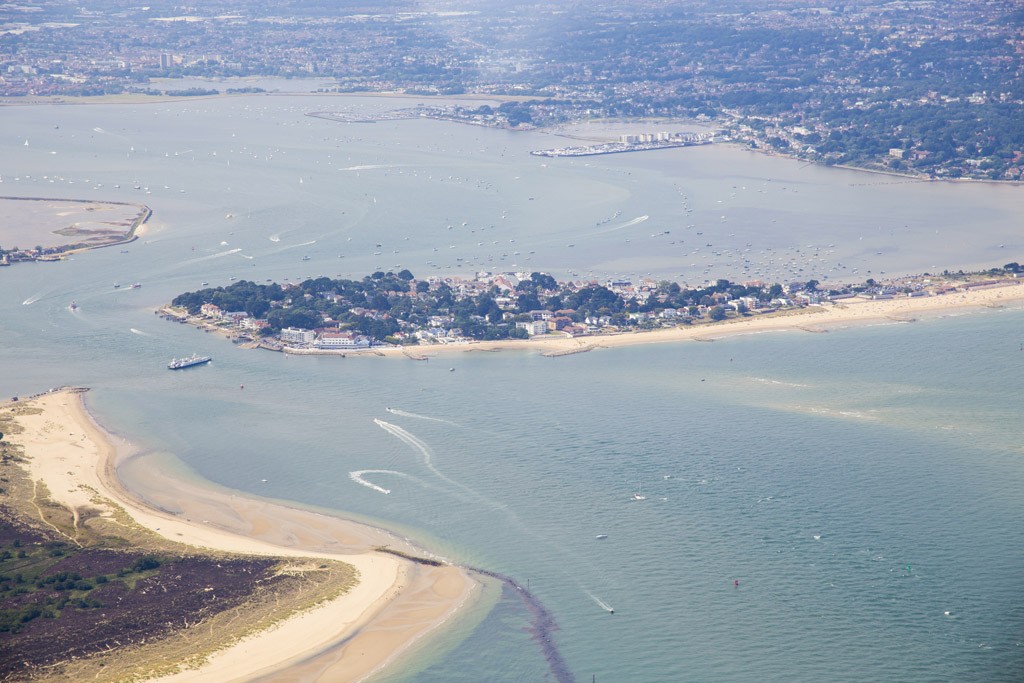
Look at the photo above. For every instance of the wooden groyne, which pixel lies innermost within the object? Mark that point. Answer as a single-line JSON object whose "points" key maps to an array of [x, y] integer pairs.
{"points": [[569, 352], [412, 558]]}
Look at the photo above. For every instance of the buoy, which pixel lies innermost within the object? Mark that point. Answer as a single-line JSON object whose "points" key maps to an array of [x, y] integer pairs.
{"points": [[241, 386], [736, 583]]}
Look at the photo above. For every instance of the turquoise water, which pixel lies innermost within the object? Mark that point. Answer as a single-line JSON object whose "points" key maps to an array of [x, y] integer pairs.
{"points": [[858, 484]]}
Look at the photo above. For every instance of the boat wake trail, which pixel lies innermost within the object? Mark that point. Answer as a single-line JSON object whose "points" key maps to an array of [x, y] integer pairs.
{"points": [[764, 380], [219, 254], [627, 224], [357, 477], [513, 519], [402, 413], [32, 299], [275, 238], [601, 603], [367, 167], [428, 456], [635, 221], [418, 445], [140, 332]]}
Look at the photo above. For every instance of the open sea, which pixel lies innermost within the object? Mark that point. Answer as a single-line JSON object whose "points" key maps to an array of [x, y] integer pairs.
{"points": [[845, 506]]}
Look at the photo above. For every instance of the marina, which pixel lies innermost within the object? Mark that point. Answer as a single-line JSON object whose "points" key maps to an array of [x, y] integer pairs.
{"points": [[634, 143]]}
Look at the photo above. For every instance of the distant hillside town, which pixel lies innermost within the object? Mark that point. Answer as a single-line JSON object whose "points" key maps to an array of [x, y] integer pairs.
{"points": [[927, 89]]}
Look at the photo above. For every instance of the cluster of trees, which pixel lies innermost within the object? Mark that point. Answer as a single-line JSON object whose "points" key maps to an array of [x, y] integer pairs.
{"points": [[382, 304]]}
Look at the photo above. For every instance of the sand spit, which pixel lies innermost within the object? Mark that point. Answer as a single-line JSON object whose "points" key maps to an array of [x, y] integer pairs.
{"points": [[395, 603]]}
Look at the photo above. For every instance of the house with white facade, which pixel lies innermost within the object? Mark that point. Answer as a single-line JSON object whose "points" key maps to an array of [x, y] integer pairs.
{"points": [[341, 340], [534, 327], [297, 335]]}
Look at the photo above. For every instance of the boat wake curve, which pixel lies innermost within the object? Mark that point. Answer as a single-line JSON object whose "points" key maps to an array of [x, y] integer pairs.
{"points": [[357, 477]]}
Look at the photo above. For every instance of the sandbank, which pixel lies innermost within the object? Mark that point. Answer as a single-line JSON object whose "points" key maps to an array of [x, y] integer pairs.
{"points": [[395, 602]]}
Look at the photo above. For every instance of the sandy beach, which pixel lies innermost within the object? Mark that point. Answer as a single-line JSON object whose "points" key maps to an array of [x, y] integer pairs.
{"points": [[823, 318], [394, 604]]}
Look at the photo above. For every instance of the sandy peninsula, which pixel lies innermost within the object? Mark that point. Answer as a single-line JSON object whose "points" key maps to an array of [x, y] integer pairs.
{"points": [[829, 316], [348, 637]]}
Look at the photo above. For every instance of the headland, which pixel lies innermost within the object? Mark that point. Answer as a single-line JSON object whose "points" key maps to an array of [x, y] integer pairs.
{"points": [[666, 315]]}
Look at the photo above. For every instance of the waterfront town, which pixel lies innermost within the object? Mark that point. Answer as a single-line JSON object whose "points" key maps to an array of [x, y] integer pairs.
{"points": [[928, 89], [388, 309]]}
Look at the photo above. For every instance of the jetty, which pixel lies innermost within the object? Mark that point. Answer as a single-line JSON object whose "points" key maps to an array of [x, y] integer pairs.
{"points": [[569, 352]]}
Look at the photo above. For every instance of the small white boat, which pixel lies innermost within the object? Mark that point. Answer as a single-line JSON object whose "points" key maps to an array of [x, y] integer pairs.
{"points": [[601, 537]]}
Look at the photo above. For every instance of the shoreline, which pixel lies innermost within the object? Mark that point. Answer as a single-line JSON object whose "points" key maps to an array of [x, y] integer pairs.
{"points": [[141, 98], [348, 637], [813, 319], [820, 318]]}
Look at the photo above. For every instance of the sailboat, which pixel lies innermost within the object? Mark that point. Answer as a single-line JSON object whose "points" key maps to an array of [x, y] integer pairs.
{"points": [[639, 493]]}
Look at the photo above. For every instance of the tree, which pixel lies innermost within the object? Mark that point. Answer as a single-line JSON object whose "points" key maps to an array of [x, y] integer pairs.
{"points": [[527, 302], [717, 313], [543, 281], [293, 317]]}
